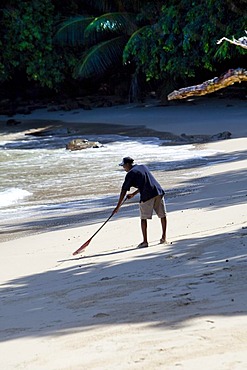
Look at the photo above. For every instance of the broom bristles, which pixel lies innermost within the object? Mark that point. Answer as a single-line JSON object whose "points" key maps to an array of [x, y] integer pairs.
{"points": [[82, 247]]}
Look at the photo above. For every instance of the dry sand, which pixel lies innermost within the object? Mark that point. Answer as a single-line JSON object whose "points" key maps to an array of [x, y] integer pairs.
{"points": [[176, 306], [202, 116]]}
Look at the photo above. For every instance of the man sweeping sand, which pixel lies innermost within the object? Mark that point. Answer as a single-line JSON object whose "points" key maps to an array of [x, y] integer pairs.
{"points": [[151, 196]]}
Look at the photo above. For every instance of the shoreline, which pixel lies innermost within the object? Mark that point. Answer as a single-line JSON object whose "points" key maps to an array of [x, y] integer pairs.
{"points": [[204, 116], [77, 123], [40, 220]]}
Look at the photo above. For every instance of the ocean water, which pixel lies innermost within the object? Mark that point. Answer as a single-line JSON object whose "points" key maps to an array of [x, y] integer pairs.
{"points": [[43, 185]]}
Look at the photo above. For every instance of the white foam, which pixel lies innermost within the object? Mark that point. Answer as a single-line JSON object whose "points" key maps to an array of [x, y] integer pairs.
{"points": [[12, 196], [57, 176]]}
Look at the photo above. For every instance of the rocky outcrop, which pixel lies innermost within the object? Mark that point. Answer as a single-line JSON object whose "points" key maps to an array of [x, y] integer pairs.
{"points": [[80, 144], [199, 139], [10, 107], [221, 136]]}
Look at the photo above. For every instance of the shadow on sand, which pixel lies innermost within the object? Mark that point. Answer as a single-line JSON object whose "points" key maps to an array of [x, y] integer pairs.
{"points": [[162, 285]]}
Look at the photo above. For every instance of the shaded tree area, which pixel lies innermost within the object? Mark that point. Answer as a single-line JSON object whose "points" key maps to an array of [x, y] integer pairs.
{"points": [[229, 78], [52, 48], [180, 47]]}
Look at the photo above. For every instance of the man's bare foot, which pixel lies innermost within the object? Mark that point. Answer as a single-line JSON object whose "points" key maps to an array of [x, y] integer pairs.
{"points": [[164, 241], [143, 245]]}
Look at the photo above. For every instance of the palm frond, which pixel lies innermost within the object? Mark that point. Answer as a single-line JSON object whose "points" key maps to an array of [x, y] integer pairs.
{"points": [[71, 32], [101, 57], [137, 33], [129, 44], [109, 25]]}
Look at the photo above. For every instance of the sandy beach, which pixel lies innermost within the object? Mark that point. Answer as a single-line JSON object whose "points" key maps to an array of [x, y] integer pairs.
{"points": [[205, 115], [177, 306]]}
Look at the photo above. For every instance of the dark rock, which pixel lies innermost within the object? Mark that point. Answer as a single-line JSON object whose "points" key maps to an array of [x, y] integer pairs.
{"points": [[80, 144], [12, 122], [222, 136], [86, 107], [197, 139], [23, 110], [5, 103], [53, 109]]}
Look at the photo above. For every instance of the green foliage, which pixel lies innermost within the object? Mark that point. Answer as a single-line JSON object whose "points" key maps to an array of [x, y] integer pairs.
{"points": [[99, 58], [71, 31], [162, 39], [103, 34], [106, 6], [108, 26], [183, 41], [27, 43]]}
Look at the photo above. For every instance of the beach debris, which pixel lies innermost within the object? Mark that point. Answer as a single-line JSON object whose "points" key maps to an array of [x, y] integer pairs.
{"points": [[107, 278], [48, 131], [101, 314], [80, 144]]}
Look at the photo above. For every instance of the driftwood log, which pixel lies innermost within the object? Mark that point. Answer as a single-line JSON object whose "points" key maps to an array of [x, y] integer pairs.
{"points": [[229, 78]]}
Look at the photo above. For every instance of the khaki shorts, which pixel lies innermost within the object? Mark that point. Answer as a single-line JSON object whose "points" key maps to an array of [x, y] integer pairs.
{"points": [[156, 204]]}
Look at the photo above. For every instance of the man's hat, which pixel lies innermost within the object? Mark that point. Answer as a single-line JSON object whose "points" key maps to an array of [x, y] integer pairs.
{"points": [[126, 160]]}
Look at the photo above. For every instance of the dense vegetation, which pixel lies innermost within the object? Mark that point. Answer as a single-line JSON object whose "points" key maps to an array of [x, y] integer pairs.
{"points": [[71, 44]]}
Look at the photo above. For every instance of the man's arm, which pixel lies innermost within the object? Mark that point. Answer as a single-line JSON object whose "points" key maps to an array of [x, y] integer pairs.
{"points": [[120, 200], [129, 196]]}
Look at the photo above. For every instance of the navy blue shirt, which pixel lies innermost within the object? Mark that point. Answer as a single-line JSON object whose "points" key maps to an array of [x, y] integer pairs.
{"points": [[141, 178]]}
